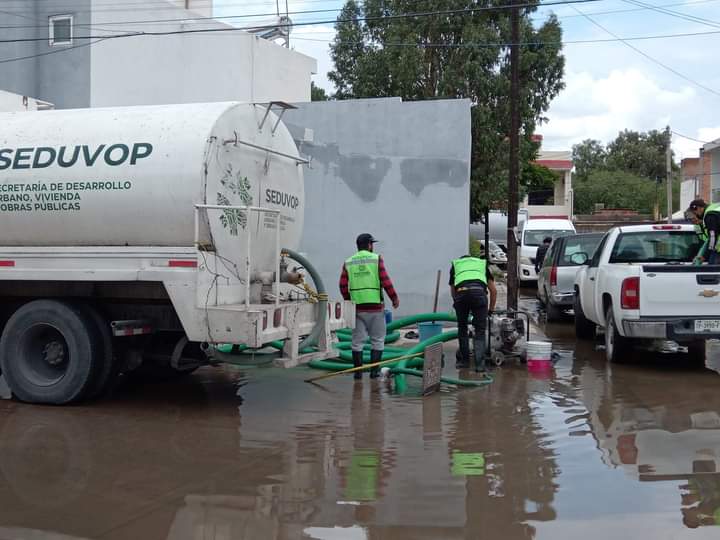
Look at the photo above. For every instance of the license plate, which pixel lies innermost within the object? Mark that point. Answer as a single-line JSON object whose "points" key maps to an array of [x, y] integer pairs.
{"points": [[708, 325]]}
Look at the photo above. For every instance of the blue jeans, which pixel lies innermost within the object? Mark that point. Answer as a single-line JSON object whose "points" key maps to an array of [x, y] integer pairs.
{"points": [[714, 257]]}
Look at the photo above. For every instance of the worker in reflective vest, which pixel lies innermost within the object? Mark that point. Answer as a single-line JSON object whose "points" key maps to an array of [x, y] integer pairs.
{"points": [[470, 281], [362, 281], [709, 217], [700, 232]]}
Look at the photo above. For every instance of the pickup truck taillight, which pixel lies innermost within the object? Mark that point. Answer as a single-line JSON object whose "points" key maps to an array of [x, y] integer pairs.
{"points": [[553, 276], [630, 293]]}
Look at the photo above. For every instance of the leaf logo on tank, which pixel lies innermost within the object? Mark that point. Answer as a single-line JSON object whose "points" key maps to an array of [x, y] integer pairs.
{"points": [[42, 157], [239, 186]]}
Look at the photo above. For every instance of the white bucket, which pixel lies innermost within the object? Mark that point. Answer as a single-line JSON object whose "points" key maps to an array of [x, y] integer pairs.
{"points": [[539, 355]]}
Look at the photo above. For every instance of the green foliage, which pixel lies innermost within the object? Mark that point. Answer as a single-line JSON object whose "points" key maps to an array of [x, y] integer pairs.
{"points": [[317, 93], [475, 248], [588, 156], [627, 171], [453, 56], [534, 177], [618, 189]]}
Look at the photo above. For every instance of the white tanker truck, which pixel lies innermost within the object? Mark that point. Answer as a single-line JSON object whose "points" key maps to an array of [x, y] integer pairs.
{"points": [[144, 236]]}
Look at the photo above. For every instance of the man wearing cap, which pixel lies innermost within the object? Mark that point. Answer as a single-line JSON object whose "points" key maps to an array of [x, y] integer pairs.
{"points": [[470, 281], [709, 222], [362, 281]]}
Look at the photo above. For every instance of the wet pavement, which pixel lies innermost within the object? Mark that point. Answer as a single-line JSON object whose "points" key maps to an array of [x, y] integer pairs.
{"points": [[591, 450]]}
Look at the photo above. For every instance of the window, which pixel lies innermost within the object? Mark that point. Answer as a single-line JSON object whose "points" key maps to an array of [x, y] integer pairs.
{"points": [[578, 244], [535, 237], [61, 30], [655, 246]]}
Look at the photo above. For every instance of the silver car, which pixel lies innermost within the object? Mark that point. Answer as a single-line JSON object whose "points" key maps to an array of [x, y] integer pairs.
{"points": [[496, 256], [557, 274]]}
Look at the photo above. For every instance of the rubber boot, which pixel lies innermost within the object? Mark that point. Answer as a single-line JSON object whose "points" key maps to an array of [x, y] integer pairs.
{"points": [[375, 356], [479, 354], [462, 358], [357, 362]]}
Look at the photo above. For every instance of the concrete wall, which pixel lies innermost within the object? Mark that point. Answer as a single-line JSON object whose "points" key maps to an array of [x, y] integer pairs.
{"points": [[204, 8], [58, 74], [217, 66], [228, 65], [400, 171]]}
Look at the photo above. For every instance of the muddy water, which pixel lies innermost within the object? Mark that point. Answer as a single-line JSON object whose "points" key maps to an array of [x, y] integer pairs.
{"points": [[591, 452]]}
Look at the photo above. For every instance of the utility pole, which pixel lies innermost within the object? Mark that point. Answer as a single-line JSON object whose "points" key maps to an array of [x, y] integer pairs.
{"points": [[514, 166], [668, 164]]}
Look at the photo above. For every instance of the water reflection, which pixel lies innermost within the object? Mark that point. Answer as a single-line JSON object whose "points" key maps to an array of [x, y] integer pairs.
{"points": [[658, 423], [516, 487]]}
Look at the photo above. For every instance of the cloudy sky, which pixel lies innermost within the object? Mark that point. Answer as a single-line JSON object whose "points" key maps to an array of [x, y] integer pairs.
{"points": [[609, 86]]}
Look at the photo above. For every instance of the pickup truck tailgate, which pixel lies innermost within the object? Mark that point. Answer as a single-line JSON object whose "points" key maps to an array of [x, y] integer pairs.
{"points": [[679, 290]]}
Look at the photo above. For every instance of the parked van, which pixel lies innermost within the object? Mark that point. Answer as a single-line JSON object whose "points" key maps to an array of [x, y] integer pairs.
{"points": [[531, 237]]}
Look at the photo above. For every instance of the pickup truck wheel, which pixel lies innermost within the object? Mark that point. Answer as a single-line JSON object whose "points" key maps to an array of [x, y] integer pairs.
{"points": [[48, 352], [617, 347], [584, 328]]}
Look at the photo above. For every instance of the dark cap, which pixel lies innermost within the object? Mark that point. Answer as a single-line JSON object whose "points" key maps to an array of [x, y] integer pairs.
{"points": [[365, 239], [697, 203]]}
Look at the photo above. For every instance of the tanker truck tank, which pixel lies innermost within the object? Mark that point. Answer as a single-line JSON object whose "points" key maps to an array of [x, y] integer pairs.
{"points": [[162, 220]]}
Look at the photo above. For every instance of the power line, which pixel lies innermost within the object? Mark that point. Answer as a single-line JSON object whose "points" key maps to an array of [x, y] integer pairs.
{"points": [[690, 138], [306, 12], [532, 43], [653, 60], [48, 53], [311, 23], [428, 45], [187, 19], [676, 14]]}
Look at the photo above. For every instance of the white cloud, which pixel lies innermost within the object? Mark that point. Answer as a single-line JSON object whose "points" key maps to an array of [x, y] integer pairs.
{"points": [[594, 107]]}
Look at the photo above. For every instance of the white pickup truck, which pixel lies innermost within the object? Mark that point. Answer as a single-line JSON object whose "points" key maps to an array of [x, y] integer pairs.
{"points": [[641, 285]]}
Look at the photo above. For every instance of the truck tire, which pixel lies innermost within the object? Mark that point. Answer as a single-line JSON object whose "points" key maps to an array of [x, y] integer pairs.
{"points": [[617, 347], [584, 328], [48, 352], [106, 367]]}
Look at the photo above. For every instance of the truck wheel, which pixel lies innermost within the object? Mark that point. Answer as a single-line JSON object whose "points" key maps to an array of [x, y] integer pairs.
{"points": [[553, 313], [48, 351], [106, 367], [617, 347], [584, 328]]}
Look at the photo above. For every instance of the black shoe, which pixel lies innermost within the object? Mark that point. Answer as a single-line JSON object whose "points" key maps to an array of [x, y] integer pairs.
{"points": [[375, 356], [460, 362], [479, 354], [357, 362]]}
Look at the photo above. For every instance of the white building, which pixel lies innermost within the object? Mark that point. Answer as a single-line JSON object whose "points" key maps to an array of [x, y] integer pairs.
{"points": [[560, 162], [177, 55]]}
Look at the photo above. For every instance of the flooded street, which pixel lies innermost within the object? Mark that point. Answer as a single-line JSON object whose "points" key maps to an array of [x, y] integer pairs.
{"points": [[592, 451]]}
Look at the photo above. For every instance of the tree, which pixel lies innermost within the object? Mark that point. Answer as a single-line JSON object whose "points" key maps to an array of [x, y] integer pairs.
{"points": [[643, 154], [588, 156], [379, 53], [317, 93], [615, 189]]}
